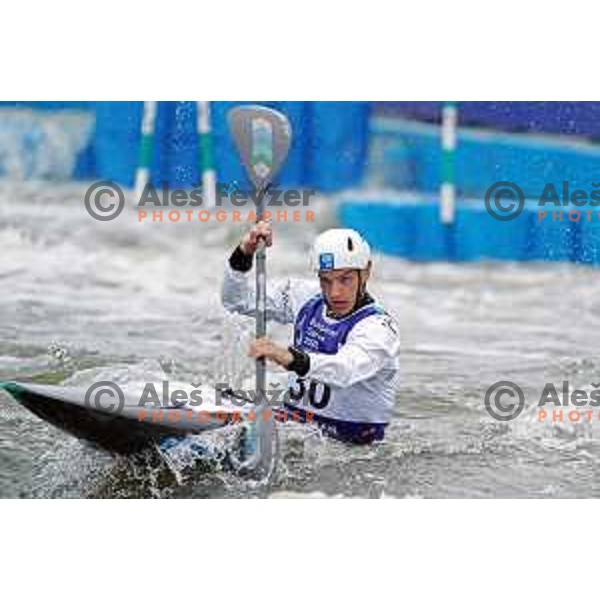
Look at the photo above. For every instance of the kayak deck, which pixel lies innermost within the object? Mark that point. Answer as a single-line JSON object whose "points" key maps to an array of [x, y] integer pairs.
{"points": [[124, 433]]}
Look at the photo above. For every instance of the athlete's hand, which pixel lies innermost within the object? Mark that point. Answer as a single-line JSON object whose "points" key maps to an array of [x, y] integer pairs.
{"points": [[249, 242], [271, 351]]}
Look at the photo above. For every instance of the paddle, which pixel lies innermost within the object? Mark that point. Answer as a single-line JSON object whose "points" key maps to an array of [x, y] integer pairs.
{"points": [[262, 137]]}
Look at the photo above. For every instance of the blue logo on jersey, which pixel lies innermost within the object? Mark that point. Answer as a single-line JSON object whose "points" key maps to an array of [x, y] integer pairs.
{"points": [[326, 261]]}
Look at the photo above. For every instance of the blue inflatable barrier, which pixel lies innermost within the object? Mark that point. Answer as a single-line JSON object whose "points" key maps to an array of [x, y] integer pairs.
{"points": [[176, 159], [396, 237], [567, 118], [412, 229], [554, 176], [403, 228], [589, 231], [117, 140], [328, 150], [294, 172], [552, 239], [432, 239], [478, 236], [484, 158], [338, 141], [49, 104]]}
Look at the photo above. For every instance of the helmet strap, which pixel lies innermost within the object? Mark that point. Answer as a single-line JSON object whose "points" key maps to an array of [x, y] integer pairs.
{"points": [[361, 291]]}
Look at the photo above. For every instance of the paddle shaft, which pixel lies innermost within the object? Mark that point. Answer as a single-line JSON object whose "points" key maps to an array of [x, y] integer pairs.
{"points": [[261, 308]]}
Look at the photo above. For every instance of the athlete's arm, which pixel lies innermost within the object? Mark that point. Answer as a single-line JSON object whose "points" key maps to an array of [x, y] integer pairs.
{"points": [[284, 297]]}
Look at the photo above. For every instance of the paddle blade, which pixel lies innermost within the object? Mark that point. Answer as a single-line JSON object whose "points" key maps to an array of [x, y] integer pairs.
{"points": [[262, 137]]}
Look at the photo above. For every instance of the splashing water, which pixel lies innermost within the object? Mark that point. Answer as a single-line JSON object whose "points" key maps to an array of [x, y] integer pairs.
{"points": [[135, 302], [42, 144]]}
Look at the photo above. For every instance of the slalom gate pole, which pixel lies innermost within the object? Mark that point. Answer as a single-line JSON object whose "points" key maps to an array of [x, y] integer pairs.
{"points": [[205, 155], [448, 185], [142, 173]]}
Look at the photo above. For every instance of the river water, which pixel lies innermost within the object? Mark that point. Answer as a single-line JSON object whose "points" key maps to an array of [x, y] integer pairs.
{"points": [[83, 300]]}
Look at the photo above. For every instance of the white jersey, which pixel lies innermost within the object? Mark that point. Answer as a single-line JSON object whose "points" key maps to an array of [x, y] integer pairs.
{"points": [[358, 382]]}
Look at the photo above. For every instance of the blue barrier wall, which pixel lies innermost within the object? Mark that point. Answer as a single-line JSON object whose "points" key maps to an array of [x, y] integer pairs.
{"points": [[337, 145], [328, 150], [412, 229], [408, 223], [482, 158], [568, 118], [50, 104]]}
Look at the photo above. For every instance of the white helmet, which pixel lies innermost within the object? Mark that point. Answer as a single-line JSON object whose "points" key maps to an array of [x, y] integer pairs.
{"points": [[340, 249]]}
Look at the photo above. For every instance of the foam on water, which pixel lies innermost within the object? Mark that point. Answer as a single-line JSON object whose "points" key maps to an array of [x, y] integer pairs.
{"points": [[132, 302], [36, 145]]}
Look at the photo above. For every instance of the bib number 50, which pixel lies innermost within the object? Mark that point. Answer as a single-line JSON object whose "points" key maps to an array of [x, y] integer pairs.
{"points": [[318, 393]]}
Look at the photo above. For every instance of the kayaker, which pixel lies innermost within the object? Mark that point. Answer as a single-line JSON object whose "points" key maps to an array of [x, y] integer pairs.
{"points": [[344, 359]]}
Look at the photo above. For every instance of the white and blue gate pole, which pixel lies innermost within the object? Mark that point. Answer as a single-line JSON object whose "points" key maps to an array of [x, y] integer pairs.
{"points": [[142, 173], [448, 185], [205, 155]]}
